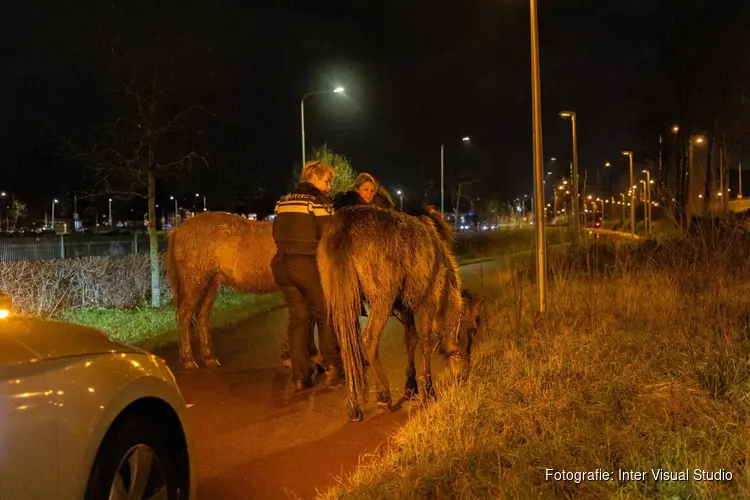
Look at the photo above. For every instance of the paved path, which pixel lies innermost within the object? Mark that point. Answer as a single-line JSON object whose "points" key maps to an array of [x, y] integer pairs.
{"points": [[259, 439]]}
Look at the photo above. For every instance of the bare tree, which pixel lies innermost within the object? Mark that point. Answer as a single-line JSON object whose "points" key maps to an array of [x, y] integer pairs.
{"points": [[148, 143], [18, 210]]}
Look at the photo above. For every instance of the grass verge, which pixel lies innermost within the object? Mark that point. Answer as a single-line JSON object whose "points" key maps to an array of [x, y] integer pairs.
{"points": [[150, 328], [633, 368]]}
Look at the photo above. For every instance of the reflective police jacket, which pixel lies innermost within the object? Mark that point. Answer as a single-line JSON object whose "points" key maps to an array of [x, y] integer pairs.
{"points": [[300, 217]]}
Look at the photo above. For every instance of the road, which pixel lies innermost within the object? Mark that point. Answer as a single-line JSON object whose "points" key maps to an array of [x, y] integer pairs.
{"points": [[255, 435]]}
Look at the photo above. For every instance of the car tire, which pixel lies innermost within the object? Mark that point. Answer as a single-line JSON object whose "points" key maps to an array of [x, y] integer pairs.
{"points": [[134, 461]]}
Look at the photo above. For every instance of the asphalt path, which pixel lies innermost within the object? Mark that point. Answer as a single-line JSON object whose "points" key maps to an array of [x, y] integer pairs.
{"points": [[257, 438]]}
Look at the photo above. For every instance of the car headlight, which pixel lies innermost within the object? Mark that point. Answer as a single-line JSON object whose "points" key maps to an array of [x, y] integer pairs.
{"points": [[5, 305]]}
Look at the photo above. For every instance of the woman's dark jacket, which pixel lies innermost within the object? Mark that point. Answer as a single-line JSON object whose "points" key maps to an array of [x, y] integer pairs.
{"points": [[347, 199], [300, 218]]}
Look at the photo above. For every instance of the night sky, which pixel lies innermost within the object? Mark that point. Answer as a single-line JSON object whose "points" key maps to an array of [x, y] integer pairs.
{"points": [[416, 74]]}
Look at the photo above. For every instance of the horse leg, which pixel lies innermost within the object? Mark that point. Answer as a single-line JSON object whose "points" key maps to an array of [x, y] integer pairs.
{"points": [[424, 328], [379, 312], [204, 320], [412, 388], [185, 312]]}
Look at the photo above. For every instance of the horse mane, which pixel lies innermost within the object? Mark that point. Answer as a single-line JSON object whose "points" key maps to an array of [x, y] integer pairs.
{"points": [[438, 221], [383, 199]]}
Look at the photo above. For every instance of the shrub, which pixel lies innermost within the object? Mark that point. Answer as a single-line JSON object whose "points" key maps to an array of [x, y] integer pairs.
{"points": [[53, 286]]}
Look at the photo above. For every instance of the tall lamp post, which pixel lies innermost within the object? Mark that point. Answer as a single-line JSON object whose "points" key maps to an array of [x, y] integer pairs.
{"points": [[576, 214], [650, 222], [536, 106], [629, 154], [337, 90], [54, 201], [401, 198], [442, 174], [204, 201], [175, 209], [110, 214]]}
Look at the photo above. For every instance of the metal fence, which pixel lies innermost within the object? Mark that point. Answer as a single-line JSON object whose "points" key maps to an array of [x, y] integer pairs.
{"points": [[63, 246]]}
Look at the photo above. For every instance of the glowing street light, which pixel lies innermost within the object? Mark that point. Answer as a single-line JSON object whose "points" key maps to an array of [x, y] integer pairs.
{"points": [[401, 198], [466, 139], [576, 222], [54, 202], [629, 154], [337, 90]]}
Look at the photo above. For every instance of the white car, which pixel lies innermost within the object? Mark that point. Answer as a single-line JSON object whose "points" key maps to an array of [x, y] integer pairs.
{"points": [[82, 417]]}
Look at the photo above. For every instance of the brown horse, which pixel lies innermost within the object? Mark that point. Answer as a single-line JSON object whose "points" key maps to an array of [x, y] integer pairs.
{"points": [[206, 252], [385, 255]]}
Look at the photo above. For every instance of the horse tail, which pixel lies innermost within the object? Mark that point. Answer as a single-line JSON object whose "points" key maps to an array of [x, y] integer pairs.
{"points": [[172, 275], [341, 290]]}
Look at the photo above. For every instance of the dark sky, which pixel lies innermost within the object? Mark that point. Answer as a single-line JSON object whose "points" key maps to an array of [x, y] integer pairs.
{"points": [[416, 73]]}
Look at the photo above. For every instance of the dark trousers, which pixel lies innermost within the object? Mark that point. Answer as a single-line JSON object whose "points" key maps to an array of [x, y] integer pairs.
{"points": [[299, 281]]}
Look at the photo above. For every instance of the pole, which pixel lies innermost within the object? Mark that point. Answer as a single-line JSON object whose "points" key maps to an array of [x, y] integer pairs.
{"points": [[739, 193], [302, 120], [541, 251], [204, 203], [53, 215], [175, 212], [632, 196], [111, 225], [442, 184], [576, 205]]}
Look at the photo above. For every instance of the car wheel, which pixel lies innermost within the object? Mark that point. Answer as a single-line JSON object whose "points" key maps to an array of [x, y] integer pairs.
{"points": [[133, 462]]}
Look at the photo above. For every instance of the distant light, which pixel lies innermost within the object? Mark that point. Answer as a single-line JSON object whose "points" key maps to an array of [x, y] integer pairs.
{"points": [[398, 192], [675, 129], [566, 114], [2, 194], [55, 200], [553, 159], [549, 173], [338, 90], [196, 194], [466, 139], [699, 140], [4, 313], [627, 153], [607, 164]]}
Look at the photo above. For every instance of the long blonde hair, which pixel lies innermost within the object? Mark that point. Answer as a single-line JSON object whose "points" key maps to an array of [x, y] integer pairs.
{"points": [[316, 168]]}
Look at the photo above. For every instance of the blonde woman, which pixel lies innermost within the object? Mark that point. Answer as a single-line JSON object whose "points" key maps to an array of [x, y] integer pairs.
{"points": [[300, 219], [362, 193]]}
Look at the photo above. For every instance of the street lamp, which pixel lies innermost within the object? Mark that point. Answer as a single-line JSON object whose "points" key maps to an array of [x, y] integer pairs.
{"points": [[110, 214], [175, 209], [401, 198], [337, 90], [576, 228], [54, 201], [648, 201], [629, 154], [442, 177], [204, 201], [536, 107]]}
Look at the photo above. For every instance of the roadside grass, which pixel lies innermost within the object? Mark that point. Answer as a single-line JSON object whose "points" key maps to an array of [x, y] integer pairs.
{"points": [[640, 363], [151, 328]]}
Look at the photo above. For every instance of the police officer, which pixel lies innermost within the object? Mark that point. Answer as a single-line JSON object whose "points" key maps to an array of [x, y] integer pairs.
{"points": [[298, 225]]}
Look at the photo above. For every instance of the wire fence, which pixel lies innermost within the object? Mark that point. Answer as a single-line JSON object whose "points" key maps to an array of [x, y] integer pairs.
{"points": [[65, 246]]}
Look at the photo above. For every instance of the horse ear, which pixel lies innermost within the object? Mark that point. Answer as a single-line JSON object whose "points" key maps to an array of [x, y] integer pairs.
{"points": [[476, 304]]}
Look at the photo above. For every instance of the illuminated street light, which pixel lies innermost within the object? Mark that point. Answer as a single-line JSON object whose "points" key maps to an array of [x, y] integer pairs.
{"points": [[576, 227], [675, 129], [629, 154], [337, 90], [401, 197]]}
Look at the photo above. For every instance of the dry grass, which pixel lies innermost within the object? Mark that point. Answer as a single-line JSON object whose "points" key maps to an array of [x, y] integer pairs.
{"points": [[640, 363]]}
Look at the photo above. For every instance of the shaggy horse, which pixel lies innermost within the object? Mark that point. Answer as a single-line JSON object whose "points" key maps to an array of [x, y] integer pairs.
{"points": [[214, 249], [384, 256], [206, 252]]}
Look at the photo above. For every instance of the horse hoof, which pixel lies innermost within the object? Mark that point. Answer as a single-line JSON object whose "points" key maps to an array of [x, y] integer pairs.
{"points": [[189, 365], [384, 401], [411, 390], [212, 363], [355, 414]]}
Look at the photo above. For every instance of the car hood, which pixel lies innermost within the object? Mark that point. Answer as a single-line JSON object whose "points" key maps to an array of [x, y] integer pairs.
{"points": [[30, 340]]}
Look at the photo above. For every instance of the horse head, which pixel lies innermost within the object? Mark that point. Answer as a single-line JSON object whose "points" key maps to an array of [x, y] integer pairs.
{"points": [[459, 350]]}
